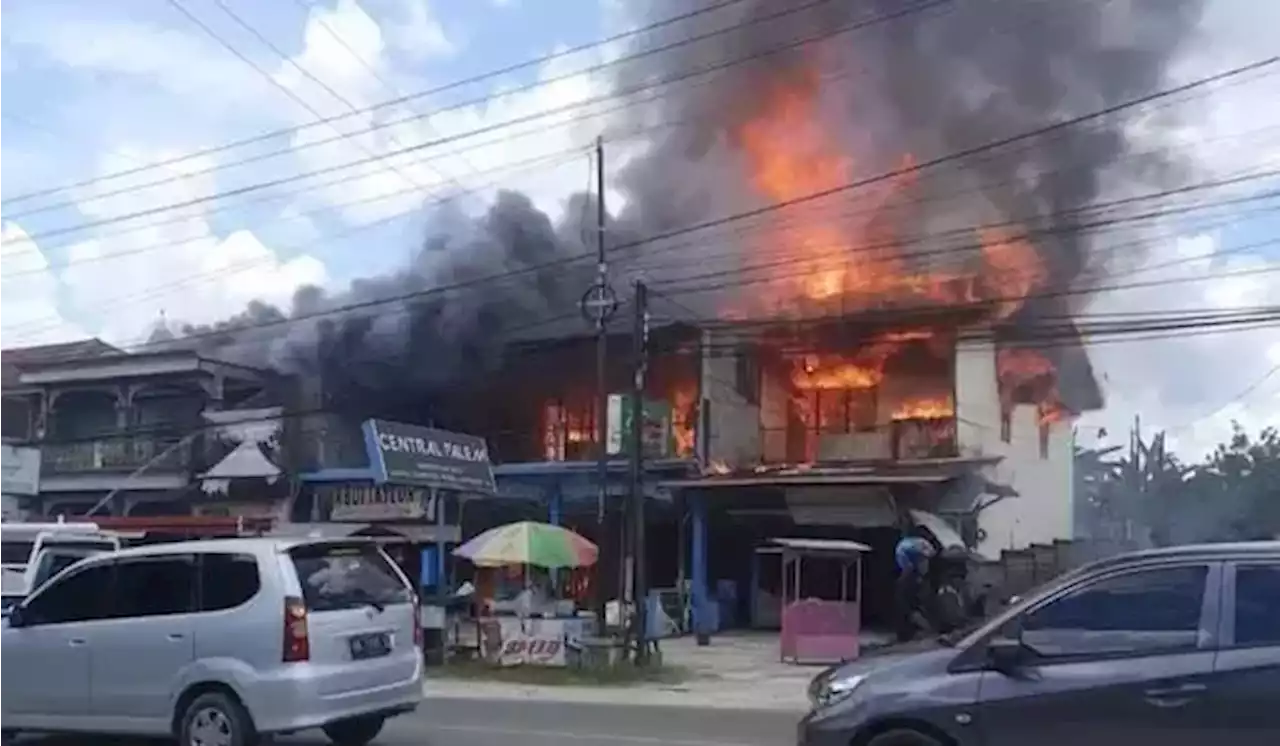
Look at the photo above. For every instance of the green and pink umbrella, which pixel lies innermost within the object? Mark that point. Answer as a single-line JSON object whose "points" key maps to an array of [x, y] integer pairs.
{"points": [[529, 543]]}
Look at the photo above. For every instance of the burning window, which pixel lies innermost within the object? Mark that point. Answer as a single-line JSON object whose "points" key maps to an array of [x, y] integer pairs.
{"points": [[865, 394], [1028, 376], [568, 430]]}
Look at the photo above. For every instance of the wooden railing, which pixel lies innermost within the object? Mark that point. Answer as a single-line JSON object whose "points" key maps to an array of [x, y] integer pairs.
{"points": [[115, 453]]}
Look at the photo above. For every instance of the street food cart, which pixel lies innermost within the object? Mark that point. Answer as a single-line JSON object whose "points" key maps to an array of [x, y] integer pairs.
{"points": [[820, 630], [534, 626]]}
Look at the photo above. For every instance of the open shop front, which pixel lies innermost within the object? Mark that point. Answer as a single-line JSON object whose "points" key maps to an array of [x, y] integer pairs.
{"points": [[738, 568], [408, 499]]}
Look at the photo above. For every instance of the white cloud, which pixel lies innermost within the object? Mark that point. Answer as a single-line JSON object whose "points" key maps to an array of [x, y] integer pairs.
{"points": [[29, 295], [420, 35], [1190, 384], [398, 182], [1195, 386], [183, 269]]}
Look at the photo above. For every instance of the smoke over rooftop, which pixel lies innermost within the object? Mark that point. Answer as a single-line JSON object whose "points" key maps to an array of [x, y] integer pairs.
{"points": [[791, 119]]}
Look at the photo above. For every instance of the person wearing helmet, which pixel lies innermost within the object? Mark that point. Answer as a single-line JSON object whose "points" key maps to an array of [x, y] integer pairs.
{"points": [[911, 555]]}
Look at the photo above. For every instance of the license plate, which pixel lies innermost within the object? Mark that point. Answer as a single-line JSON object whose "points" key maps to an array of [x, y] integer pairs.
{"points": [[370, 646]]}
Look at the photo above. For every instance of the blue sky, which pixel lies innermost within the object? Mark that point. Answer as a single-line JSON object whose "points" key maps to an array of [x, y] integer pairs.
{"points": [[96, 88]]}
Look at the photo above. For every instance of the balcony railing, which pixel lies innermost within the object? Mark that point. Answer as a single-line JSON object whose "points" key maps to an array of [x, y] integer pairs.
{"points": [[898, 440], [116, 454]]}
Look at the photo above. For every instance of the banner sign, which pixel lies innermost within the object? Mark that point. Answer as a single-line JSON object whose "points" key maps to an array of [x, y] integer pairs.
{"points": [[511, 641], [533, 650], [656, 430], [378, 502], [21, 470], [426, 457]]}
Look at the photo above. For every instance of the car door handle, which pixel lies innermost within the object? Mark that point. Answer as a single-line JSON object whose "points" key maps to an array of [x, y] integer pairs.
{"points": [[76, 642], [176, 636], [1174, 696]]}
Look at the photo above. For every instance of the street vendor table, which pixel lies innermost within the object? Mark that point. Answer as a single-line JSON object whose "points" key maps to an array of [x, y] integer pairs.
{"points": [[536, 641]]}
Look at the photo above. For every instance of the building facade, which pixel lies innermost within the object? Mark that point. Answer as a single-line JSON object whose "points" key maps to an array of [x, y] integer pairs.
{"points": [[130, 426]]}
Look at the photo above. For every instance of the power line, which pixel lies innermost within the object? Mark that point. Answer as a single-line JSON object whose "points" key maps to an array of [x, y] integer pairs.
{"points": [[177, 5], [402, 151], [373, 72], [896, 173], [459, 84], [243, 266]]}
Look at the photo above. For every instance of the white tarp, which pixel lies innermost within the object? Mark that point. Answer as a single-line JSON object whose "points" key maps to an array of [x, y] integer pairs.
{"points": [[249, 429], [947, 536]]}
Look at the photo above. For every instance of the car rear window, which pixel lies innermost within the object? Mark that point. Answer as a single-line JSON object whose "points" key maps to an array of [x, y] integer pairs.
{"points": [[16, 552], [337, 577]]}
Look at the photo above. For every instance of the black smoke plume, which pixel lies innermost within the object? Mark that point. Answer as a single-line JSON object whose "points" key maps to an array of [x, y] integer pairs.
{"points": [[950, 77]]}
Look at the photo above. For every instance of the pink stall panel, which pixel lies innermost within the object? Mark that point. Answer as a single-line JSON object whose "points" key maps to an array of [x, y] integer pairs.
{"points": [[816, 631]]}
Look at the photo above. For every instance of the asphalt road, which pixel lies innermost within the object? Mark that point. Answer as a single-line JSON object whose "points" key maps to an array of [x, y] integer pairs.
{"points": [[511, 723]]}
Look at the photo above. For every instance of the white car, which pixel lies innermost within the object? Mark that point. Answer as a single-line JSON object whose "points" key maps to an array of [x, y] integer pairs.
{"points": [[217, 643]]}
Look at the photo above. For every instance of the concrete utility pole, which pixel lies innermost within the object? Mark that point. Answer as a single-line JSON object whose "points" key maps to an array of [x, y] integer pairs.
{"points": [[640, 343], [598, 305]]}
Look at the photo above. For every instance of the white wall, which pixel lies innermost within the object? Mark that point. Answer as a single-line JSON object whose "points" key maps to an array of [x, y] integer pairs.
{"points": [[734, 437], [12, 508], [1042, 510]]}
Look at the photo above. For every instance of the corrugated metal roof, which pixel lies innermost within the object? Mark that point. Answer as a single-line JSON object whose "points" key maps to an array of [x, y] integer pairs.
{"points": [[16, 358], [832, 546]]}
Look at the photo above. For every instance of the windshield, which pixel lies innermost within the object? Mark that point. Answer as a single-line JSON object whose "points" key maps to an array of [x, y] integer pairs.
{"points": [[53, 562], [345, 577]]}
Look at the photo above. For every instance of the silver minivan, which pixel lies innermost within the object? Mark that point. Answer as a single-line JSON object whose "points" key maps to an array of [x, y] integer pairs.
{"points": [[217, 643]]}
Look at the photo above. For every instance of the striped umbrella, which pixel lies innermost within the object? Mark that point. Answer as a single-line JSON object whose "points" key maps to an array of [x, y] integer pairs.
{"points": [[529, 543]]}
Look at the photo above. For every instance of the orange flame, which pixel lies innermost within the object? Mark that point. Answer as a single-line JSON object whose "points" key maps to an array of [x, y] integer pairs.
{"points": [[932, 408], [855, 259]]}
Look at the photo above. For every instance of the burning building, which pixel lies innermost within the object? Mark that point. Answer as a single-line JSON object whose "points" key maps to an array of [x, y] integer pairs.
{"points": [[871, 272]]}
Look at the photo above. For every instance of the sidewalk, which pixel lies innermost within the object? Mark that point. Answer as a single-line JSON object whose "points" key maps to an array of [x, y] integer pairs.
{"points": [[736, 671]]}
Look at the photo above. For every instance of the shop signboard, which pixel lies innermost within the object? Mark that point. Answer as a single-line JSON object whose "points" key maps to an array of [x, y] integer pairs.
{"points": [[657, 433], [426, 457], [378, 502], [21, 470]]}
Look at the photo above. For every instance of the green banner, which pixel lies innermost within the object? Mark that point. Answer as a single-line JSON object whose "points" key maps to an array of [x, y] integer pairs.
{"points": [[656, 431]]}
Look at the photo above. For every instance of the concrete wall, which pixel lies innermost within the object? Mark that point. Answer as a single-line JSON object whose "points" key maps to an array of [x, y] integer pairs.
{"points": [[734, 422], [12, 508], [1040, 470]]}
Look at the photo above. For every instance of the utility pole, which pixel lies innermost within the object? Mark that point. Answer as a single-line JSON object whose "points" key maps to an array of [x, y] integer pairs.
{"points": [[640, 343], [598, 305]]}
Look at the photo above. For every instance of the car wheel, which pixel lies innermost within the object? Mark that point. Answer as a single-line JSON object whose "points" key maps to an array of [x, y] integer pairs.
{"points": [[355, 731], [904, 738], [216, 719]]}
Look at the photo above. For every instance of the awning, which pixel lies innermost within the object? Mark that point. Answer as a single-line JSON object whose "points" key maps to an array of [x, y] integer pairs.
{"points": [[829, 547], [915, 471]]}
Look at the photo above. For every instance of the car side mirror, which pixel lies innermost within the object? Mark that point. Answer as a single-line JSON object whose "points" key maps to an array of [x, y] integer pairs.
{"points": [[1006, 655], [17, 618]]}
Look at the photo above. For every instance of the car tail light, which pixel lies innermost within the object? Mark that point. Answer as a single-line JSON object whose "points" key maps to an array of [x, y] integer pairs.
{"points": [[418, 638], [297, 645]]}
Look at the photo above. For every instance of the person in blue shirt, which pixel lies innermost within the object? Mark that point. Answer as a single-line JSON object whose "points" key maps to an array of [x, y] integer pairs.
{"points": [[911, 554]]}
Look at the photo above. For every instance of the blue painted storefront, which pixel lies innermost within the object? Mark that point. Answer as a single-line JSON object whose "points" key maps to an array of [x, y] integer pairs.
{"points": [[570, 488]]}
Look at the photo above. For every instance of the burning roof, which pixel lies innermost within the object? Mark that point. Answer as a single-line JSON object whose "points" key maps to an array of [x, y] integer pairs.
{"points": [[785, 120]]}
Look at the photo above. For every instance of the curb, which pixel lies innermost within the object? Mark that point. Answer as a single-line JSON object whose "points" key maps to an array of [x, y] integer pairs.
{"points": [[622, 696]]}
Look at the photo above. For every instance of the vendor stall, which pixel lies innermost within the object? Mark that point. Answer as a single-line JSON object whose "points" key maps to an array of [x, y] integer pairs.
{"points": [[820, 630], [531, 623]]}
